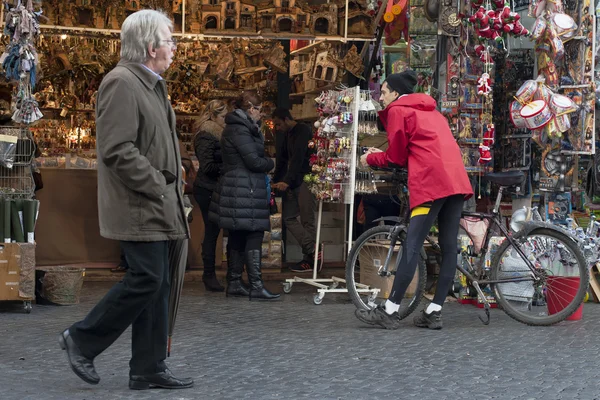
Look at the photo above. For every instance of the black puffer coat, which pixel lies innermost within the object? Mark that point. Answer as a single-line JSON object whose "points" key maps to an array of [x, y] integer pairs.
{"points": [[240, 201], [207, 144]]}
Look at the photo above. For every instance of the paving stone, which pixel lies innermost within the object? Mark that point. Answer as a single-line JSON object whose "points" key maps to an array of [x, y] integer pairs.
{"points": [[292, 349]]}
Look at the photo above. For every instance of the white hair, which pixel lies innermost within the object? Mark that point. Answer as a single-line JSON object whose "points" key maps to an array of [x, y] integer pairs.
{"points": [[140, 30]]}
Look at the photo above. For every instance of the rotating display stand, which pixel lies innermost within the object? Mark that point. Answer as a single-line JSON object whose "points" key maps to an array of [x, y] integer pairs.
{"points": [[333, 177]]}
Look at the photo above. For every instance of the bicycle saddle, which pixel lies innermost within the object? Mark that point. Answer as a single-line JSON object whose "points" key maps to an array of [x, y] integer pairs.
{"points": [[509, 178]]}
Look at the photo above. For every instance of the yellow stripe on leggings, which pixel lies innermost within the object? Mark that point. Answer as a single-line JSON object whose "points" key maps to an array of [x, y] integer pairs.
{"points": [[420, 210]]}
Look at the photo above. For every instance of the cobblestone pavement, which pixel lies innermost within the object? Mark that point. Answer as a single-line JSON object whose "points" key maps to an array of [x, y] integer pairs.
{"points": [[292, 349]]}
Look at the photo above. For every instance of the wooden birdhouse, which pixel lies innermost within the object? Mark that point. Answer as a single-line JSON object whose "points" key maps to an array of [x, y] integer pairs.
{"points": [[67, 15], [275, 58], [228, 15], [282, 16], [87, 15], [360, 21], [193, 17], [325, 20], [326, 69], [177, 7], [133, 5], [353, 63]]}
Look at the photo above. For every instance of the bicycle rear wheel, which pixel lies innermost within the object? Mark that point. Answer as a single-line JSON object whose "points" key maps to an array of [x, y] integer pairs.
{"points": [[367, 256], [562, 273]]}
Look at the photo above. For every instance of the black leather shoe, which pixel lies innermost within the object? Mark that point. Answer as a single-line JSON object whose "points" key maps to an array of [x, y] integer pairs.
{"points": [[81, 365], [164, 380]]}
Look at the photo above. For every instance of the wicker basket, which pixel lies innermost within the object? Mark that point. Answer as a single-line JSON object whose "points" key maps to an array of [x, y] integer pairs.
{"points": [[61, 284]]}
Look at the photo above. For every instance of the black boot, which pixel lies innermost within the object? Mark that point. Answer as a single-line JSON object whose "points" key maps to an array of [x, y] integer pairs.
{"points": [[211, 283], [257, 288], [235, 268]]}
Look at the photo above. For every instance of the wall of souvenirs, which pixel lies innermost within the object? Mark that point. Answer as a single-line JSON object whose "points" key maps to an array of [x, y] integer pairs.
{"points": [[266, 17], [519, 90]]}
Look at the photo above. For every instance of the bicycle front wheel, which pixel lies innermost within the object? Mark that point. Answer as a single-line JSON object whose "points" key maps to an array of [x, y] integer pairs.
{"points": [[366, 286], [554, 290]]}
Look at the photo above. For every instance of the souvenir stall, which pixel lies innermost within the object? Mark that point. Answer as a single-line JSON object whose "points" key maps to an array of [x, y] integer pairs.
{"points": [[223, 48], [525, 107]]}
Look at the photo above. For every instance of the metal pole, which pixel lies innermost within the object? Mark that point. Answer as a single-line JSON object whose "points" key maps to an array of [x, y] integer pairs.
{"points": [[183, 19], [374, 55], [318, 238], [353, 163]]}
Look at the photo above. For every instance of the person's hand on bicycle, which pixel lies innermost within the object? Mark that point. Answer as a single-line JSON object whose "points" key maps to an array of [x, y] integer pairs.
{"points": [[363, 158]]}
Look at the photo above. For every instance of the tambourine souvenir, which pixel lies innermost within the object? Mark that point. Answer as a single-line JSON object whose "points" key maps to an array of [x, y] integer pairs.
{"points": [[536, 114]]}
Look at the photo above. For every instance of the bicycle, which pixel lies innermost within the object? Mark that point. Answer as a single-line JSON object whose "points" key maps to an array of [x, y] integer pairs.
{"points": [[538, 275]]}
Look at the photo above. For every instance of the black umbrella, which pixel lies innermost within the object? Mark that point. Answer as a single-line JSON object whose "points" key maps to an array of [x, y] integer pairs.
{"points": [[178, 250]]}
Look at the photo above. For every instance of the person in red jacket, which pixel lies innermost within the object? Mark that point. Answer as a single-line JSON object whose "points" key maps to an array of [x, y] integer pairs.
{"points": [[420, 139]]}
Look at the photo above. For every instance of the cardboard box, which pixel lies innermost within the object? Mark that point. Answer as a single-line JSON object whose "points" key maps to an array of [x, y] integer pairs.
{"points": [[371, 258], [17, 271]]}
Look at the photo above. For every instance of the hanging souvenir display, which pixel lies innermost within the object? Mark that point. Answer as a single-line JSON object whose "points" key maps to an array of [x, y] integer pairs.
{"points": [[332, 143], [563, 43], [396, 21], [20, 60]]}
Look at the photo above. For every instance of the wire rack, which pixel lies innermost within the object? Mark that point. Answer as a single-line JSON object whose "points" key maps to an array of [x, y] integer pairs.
{"points": [[17, 182]]}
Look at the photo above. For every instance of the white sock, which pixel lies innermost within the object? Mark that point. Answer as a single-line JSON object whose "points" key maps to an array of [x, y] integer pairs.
{"points": [[391, 307], [433, 307]]}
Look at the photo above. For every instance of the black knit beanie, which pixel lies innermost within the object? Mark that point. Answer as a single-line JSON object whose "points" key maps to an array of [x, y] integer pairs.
{"points": [[403, 83]]}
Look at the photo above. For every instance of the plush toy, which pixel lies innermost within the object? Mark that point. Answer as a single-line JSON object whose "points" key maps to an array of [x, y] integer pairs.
{"points": [[485, 154], [484, 84]]}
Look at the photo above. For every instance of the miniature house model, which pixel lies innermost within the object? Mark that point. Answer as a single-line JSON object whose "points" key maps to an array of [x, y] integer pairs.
{"points": [[360, 21], [325, 68], [86, 15], [325, 20], [232, 15], [281, 16], [132, 6]]}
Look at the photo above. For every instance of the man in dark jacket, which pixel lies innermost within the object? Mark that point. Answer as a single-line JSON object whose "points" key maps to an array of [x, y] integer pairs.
{"points": [[140, 203], [292, 164]]}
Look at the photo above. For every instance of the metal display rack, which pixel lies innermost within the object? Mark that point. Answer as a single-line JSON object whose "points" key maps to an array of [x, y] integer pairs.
{"points": [[348, 131], [16, 183]]}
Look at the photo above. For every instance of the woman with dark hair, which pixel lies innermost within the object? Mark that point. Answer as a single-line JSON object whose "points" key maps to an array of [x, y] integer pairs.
{"points": [[207, 144], [240, 202]]}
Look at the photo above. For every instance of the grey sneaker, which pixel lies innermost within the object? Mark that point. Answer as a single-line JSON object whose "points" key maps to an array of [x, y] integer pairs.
{"points": [[378, 316], [431, 321]]}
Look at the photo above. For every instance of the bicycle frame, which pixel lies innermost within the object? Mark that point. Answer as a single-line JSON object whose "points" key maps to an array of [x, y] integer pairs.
{"points": [[494, 218]]}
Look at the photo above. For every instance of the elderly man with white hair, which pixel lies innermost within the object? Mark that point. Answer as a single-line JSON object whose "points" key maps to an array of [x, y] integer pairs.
{"points": [[140, 204]]}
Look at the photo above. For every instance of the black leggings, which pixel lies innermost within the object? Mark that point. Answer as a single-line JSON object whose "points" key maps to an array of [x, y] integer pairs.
{"points": [[448, 211], [244, 241]]}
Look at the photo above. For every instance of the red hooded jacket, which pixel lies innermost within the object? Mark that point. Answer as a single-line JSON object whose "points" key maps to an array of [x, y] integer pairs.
{"points": [[419, 138]]}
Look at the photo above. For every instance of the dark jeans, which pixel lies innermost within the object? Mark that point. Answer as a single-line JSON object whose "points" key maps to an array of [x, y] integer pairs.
{"points": [[377, 206], [244, 241], [211, 230], [141, 300], [300, 202], [448, 211]]}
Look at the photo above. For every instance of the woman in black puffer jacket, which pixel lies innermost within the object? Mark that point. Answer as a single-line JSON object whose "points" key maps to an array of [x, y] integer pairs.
{"points": [[240, 202], [207, 144]]}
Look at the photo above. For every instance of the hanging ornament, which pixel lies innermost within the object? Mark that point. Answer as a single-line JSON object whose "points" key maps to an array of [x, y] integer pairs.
{"points": [[484, 84]]}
